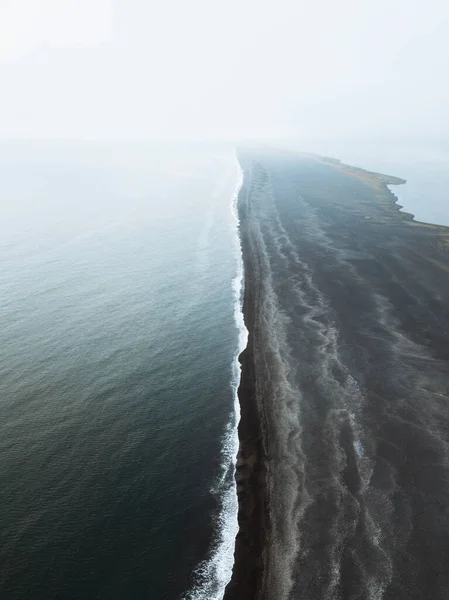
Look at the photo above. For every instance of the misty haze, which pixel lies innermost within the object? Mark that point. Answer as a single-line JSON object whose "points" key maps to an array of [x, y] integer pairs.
{"points": [[224, 300]]}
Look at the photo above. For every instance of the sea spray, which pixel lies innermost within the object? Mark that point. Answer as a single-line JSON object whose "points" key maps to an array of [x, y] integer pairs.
{"points": [[212, 576]]}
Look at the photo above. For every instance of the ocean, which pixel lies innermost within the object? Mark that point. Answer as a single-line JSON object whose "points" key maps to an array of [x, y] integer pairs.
{"points": [[120, 304]]}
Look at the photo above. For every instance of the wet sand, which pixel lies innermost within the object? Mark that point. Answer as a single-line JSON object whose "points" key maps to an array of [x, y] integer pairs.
{"points": [[343, 470]]}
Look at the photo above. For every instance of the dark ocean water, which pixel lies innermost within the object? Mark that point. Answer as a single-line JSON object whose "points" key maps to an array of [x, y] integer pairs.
{"points": [[117, 343]]}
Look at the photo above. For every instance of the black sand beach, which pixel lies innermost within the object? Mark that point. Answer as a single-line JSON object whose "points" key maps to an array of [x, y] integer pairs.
{"points": [[343, 470]]}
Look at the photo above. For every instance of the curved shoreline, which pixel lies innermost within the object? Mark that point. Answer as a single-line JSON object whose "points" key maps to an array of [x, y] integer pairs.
{"points": [[375, 179]]}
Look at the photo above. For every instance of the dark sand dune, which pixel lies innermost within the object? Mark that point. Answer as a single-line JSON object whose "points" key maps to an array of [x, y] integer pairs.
{"points": [[343, 474]]}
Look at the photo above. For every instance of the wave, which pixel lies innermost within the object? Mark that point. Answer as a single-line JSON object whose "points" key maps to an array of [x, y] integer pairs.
{"points": [[212, 576]]}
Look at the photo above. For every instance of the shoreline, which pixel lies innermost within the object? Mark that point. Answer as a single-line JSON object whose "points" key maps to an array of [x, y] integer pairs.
{"points": [[213, 574], [375, 179], [250, 474], [252, 545]]}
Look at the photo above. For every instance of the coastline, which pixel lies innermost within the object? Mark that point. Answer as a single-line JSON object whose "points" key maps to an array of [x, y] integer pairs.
{"points": [[213, 574], [382, 181], [250, 474], [253, 475]]}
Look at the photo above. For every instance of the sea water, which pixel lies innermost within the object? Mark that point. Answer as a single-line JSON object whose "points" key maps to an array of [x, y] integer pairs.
{"points": [[120, 309]]}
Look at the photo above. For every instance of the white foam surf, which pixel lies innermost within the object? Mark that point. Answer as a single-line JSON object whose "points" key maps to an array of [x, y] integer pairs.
{"points": [[212, 576]]}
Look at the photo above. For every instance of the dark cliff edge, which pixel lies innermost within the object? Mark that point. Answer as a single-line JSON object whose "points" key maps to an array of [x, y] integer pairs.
{"points": [[247, 575]]}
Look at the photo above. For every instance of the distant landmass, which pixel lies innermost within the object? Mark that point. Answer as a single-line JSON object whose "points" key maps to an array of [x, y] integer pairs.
{"points": [[343, 472]]}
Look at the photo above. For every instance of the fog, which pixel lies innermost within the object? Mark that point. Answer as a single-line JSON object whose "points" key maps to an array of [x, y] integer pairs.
{"points": [[100, 69]]}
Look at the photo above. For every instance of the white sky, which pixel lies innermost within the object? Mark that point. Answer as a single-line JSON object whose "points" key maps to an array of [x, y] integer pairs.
{"points": [[172, 68]]}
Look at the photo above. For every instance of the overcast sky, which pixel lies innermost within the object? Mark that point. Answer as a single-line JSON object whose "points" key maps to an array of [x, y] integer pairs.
{"points": [[202, 68]]}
